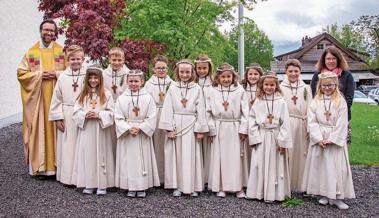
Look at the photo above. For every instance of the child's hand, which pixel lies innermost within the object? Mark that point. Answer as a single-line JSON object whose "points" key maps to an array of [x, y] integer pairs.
{"points": [[327, 142], [210, 139], [171, 135], [92, 115], [282, 150], [321, 144], [307, 136], [134, 131], [199, 136], [60, 125], [242, 136]]}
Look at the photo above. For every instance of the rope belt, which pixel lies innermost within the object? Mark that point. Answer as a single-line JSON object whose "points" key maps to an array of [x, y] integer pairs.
{"points": [[68, 104], [302, 117]]}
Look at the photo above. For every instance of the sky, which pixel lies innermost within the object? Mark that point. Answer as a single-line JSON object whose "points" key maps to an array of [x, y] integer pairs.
{"points": [[286, 21]]}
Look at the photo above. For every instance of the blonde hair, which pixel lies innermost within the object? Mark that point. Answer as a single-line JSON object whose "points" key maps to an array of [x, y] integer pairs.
{"points": [[117, 52], [74, 49], [176, 70], [336, 96]]}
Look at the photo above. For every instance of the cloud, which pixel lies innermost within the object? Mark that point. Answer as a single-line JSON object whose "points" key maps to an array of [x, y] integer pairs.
{"points": [[286, 22]]}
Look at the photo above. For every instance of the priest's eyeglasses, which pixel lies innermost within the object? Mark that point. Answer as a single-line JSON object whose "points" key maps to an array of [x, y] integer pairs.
{"points": [[48, 30]]}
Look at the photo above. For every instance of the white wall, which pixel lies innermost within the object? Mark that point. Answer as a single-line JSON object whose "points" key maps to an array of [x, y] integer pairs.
{"points": [[19, 30]]}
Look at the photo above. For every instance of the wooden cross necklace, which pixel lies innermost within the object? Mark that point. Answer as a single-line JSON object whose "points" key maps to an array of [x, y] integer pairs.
{"points": [[270, 114], [75, 82], [327, 113], [184, 100], [135, 105], [161, 92], [93, 100], [114, 81], [251, 94], [294, 96], [225, 102]]}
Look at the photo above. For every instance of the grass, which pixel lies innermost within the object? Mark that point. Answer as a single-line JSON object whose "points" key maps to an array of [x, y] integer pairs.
{"points": [[364, 149], [292, 202]]}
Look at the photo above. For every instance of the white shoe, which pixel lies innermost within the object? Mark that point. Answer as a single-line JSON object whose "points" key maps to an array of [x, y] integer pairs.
{"points": [[339, 203], [241, 194], [131, 194], [141, 194], [177, 193], [323, 201], [101, 191], [88, 191], [221, 194], [194, 194]]}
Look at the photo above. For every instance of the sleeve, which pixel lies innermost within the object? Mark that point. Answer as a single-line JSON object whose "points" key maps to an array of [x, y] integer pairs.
{"points": [[350, 87], [315, 135], [284, 137], [149, 124], [167, 114], [201, 124], [30, 82], [79, 115], [339, 133], [314, 83], [308, 100], [254, 134], [244, 114], [122, 126], [106, 116], [211, 123], [56, 108]]}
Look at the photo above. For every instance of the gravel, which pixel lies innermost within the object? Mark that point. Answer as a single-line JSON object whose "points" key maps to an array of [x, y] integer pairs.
{"points": [[24, 196]]}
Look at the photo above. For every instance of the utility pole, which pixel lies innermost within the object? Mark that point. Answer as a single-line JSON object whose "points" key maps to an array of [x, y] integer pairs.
{"points": [[241, 42]]}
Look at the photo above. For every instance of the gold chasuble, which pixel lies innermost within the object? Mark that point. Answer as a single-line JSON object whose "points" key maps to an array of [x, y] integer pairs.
{"points": [[36, 93]]}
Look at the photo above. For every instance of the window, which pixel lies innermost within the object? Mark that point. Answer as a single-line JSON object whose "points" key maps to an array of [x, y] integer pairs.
{"points": [[320, 46]]}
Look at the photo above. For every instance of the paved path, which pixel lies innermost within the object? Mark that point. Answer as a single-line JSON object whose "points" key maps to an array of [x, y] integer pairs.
{"points": [[24, 196]]}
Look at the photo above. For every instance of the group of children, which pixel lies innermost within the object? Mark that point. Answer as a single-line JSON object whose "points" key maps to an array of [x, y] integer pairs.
{"points": [[200, 130]]}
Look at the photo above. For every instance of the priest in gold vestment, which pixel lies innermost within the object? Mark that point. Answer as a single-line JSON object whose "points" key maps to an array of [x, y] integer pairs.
{"points": [[37, 74]]}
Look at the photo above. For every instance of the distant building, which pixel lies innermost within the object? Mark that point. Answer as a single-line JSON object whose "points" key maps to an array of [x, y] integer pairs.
{"points": [[311, 50]]}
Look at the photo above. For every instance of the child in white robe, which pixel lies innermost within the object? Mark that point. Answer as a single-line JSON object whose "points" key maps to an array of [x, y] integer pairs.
{"points": [[135, 117], [116, 72], [66, 90], [203, 68], [157, 87], [250, 83], [183, 117], [115, 81], [227, 113], [298, 96], [327, 168], [93, 114], [270, 136]]}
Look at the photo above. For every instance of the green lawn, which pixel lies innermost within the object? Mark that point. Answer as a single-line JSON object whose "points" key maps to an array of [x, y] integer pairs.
{"points": [[365, 143]]}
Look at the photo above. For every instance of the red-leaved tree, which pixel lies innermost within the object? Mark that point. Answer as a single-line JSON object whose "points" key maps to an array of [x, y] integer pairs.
{"points": [[89, 23]]}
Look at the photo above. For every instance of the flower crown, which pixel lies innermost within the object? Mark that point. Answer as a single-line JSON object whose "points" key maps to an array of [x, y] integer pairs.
{"points": [[326, 75], [270, 74], [136, 72], [185, 62], [208, 60]]}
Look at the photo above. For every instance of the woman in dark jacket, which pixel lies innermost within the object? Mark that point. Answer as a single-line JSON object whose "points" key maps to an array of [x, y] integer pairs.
{"points": [[332, 60]]}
